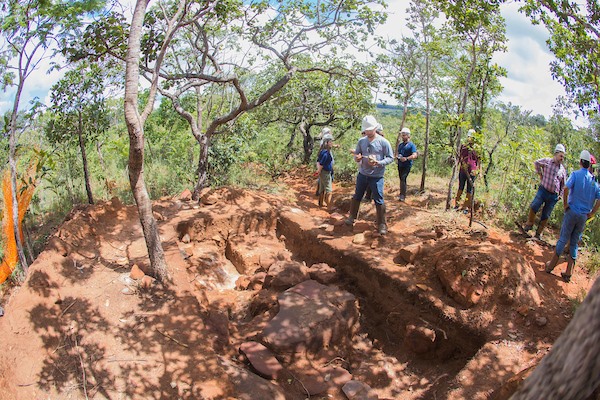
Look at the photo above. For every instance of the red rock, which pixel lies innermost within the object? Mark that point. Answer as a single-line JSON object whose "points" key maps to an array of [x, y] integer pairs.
{"points": [[262, 359], [147, 281], [285, 274], [356, 390], [409, 253], [136, 273], [323, 273], [186, 195], [419, 339]]}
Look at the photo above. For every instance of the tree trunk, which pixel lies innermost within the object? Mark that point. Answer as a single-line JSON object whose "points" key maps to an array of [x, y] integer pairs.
{"points": [[86, 174], [404, 114], [571, 370], [135, 127], [12, 162], [202, 171], [427, 116]]}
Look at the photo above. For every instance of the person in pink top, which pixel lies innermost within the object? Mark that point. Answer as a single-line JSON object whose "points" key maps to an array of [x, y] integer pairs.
{"points": [[553, 177]]}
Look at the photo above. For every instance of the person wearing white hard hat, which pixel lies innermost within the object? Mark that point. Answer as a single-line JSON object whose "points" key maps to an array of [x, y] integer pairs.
{"points": [[468, 168], [373, 152], [368, 197], [324, 135], [406, 153], [581, 202], [553, 176]]}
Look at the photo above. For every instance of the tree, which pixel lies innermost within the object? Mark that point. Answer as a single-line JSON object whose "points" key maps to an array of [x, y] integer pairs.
{"points": [[574, 40], [479, 25], [78, 112], [422, 16], [571, 370], [274, 35], [402, 64], [135, 120], [30, 29]]}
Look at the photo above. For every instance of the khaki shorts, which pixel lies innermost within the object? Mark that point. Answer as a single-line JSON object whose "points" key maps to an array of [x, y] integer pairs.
{"points": [[325, 182]]}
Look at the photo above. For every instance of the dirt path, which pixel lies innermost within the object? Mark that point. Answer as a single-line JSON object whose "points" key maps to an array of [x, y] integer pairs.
{"points": [[83, 327]]}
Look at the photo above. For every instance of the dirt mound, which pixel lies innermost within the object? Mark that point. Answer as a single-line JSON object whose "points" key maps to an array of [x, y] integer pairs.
{"points": [[485, 273]]}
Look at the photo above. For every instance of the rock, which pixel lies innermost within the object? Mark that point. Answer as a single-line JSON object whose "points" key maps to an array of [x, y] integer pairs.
{"points": [[210, 199], [285, 274], [127, 290], [359, 238], [186, 195], [523, 310], [323, 273], [311, 315], [419, 339], [250, 386], [319, 380], [427, 235], [257, 281], [147, 282], [266, 260], [541, 321], [242, 282], [356, 390], [262, 359], [136, 273], [158, 216], [460, 289], [186, 238], [409, 253]]}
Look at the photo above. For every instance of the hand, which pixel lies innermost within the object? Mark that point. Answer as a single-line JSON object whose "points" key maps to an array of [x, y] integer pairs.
{"points": [[473, 173], [316, 173]]}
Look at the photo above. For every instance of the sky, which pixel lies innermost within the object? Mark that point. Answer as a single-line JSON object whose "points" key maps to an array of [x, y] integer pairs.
{"points": [[529, 83]]}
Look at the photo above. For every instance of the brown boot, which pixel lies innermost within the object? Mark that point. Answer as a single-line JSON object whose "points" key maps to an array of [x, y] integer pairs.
{"points": [[328, 202], [354, 205], [552, 263], [467, 204], [540, 229], [530, 220], [381, 224], [457, 199], [569, 272]]}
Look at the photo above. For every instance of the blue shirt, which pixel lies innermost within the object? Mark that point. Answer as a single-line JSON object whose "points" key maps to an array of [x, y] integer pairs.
{"points": [[326, 160], [381, 149], [583, 191], [405, 150]]}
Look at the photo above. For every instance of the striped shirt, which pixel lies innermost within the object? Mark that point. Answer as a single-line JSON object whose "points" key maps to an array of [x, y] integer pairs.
{"points": [[554, 175]]}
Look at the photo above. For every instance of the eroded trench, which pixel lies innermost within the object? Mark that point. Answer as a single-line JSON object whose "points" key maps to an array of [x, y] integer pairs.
{"points": [[308, 316]]}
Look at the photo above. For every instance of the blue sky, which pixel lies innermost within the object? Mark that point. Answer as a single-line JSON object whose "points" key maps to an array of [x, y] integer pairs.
{"points": [[529, 83]]}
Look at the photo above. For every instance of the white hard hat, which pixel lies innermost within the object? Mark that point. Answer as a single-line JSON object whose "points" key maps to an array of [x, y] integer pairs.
{"points": [[328, 136], [325, 131], [405, 130], [369, 123], [559, 148], [585, 156], [470, 132]]}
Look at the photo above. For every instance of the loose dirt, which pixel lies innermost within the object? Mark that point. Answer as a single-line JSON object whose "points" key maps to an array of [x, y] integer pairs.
{"points": [[435, 309]]}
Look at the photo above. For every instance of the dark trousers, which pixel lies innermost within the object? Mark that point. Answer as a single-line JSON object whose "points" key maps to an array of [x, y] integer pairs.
{"points": [[463, 177], [403, 174]]}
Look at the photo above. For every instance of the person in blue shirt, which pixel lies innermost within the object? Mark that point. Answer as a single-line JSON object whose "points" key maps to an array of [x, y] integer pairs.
{"points": [[324, 169], [407, 152], [581, 203], [373, 152]]}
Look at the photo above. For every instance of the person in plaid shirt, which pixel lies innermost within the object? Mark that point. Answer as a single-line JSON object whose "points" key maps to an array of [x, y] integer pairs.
{"points": [[553, 177]]}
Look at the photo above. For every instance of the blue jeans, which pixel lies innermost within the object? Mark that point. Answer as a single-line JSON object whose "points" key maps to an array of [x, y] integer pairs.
{"points": [[376, 185], [571, 230], [548, 199]]}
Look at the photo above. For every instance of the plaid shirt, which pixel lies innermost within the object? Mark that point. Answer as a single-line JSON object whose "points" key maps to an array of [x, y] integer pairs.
{"points": [[554, 175]]}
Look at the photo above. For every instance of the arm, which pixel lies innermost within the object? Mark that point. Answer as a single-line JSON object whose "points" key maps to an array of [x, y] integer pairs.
{"points": [[388, 154], [594, 210], [566, 198]]}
